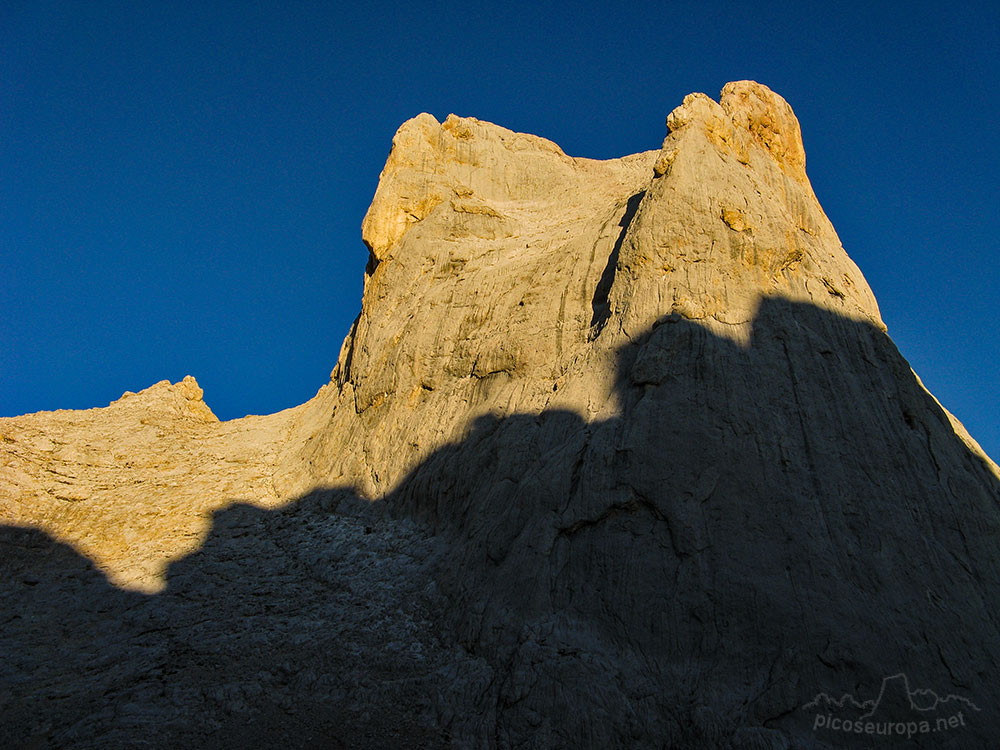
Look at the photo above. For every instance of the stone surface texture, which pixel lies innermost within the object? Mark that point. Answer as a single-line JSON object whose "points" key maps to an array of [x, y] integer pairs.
{"points": [[616, 454]]}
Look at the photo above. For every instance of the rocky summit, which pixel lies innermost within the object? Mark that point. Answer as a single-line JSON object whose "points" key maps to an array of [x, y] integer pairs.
{"points": [[617, 454]]}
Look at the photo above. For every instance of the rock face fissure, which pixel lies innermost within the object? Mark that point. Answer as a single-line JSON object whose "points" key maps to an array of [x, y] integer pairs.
{"points": [[602, 310], [616, 454]]}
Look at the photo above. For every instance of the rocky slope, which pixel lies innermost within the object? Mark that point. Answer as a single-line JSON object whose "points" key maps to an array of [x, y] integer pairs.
{"points": [[617, 454]]}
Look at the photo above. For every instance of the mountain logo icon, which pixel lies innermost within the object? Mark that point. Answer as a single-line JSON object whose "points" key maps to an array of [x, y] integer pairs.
{"points": [[895, 692], [898, 709]]}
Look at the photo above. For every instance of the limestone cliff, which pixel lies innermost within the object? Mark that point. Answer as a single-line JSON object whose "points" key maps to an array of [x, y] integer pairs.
{"points": [[619, 451]]}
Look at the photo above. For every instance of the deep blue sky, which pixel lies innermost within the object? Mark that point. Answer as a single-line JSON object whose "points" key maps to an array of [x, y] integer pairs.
{"points": [[182, 184]]}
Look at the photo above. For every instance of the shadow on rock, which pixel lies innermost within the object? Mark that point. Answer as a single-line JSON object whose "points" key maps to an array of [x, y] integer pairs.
{"points": [[760, 525]]}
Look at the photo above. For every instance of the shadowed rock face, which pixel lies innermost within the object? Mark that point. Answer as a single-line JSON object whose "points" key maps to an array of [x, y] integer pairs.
{"points": [[630, 572], [617, 454]]}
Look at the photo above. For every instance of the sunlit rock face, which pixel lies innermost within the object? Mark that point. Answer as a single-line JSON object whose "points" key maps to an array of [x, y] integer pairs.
{"points": [[616, 454]]}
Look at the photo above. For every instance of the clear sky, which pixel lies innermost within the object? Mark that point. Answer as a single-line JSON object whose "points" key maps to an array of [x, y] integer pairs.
{"points": [[182, 183]]}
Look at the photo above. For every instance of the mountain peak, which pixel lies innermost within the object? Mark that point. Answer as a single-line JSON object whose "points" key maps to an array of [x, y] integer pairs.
{"points": [[627, 436], [185, 398], [770, 121]]}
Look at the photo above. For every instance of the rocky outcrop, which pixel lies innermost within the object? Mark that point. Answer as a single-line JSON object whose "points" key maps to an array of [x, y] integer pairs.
{"points": [[616, 454], [132, 486]]}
